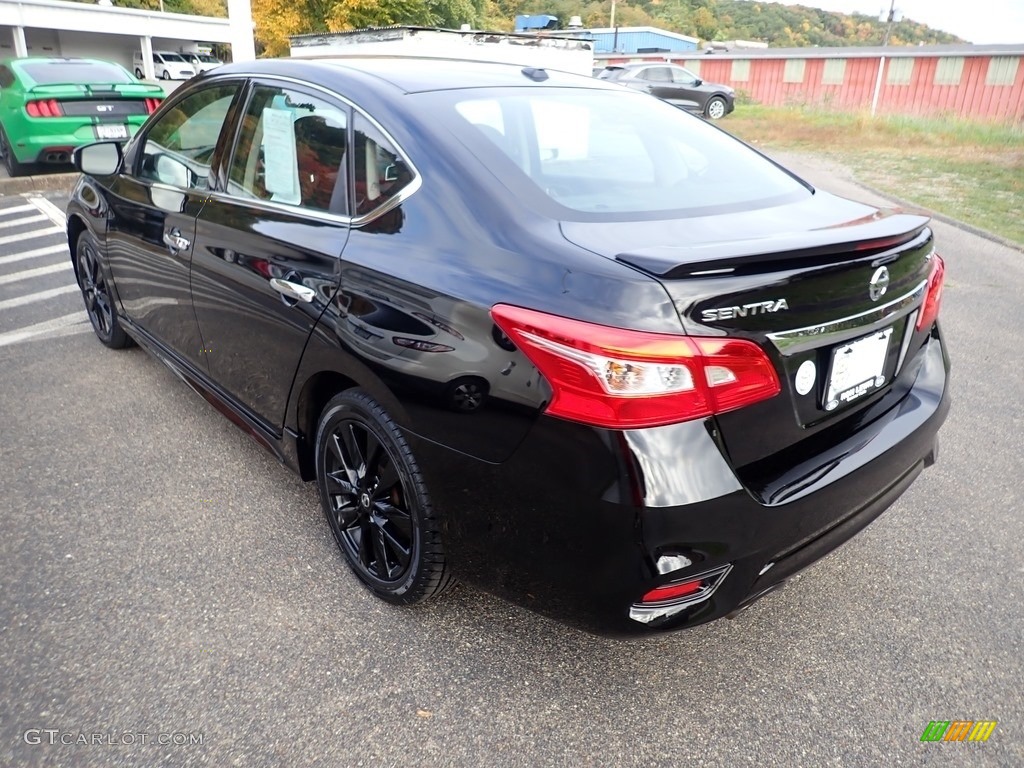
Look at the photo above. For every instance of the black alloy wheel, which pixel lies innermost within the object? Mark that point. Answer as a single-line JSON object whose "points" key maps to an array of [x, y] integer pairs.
{"points": [[467, 394], [376, 502], [14, 166], [98, 306]]}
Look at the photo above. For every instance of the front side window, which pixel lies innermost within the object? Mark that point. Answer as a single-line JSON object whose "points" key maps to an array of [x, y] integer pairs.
{"points": [[657, 74], [380, 172], [683, 76], [600, 153], [291, 150], [178, 148]]}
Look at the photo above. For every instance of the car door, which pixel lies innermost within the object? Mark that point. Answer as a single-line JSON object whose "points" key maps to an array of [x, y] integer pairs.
{"points": [[267, 260], [685, 91], [154, 204], [657, 81]]}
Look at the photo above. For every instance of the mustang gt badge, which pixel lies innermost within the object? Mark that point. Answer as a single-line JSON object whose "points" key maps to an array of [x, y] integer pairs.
{"points": [[757, 308]]}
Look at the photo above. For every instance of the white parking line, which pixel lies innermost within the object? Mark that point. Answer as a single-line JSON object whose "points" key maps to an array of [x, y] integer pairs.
{"points": [[17, 209], [76, 322], [30, 298], [22, 220], [29, 235], [47, 251], [51, 211], [28, 274]]}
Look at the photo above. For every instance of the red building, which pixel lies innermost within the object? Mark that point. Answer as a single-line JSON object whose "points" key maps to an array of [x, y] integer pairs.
{"points": [[974, 81]]}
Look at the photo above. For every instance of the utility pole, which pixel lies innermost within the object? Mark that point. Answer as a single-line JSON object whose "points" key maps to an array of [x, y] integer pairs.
{"points": [[611, 23], [889, 18]]}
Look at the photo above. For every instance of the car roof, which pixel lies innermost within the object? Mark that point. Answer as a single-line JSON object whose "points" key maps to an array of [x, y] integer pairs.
{"points": [[51, 60], [416, 74]]}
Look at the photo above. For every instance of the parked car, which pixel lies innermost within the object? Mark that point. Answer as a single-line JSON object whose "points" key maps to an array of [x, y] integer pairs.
{"points": [[167, 65], [703, 374], [49, 106], [676, 85], [201, 62]]}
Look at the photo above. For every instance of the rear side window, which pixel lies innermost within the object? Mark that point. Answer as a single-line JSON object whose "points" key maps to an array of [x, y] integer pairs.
{"points": [[178, 148], [292, 150], [381, 173]]}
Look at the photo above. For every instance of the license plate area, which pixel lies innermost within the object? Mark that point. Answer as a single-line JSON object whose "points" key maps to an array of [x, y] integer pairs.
{"points": [[112, 131], [857, 369]]}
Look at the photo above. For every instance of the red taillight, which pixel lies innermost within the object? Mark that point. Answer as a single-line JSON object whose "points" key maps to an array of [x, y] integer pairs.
{"points": [[152, 105], [672, 591], [622, 379], [44, 108], [933, 296]]}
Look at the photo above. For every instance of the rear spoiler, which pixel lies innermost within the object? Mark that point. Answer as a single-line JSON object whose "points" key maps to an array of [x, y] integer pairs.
{"points": [[879, 232], [55, 90]]}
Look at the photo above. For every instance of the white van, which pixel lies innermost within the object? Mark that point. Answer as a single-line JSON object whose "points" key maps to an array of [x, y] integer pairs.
{"points": [[201, 62], [167, 65]]}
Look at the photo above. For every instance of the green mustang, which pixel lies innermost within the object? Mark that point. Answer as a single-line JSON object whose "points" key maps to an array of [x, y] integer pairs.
{"points": [[49, 106]]}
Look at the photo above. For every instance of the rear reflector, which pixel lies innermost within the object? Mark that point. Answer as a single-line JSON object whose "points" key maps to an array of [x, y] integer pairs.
{"points": [[623, 379], [933, 297], [44, 108], [672, 591]]}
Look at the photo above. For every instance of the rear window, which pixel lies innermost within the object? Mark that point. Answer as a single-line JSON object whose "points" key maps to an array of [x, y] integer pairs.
{"points": [[614, 152], [73, 72]]}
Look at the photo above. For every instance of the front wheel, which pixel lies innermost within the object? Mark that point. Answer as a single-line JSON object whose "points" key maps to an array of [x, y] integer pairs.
{"points": [[96, 295], [166, 75], [376, 502], [715, 108], [138, 73]]}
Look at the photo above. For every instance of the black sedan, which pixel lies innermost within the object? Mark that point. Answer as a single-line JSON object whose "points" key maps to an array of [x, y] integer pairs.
{"points": [[676, 85], [606, 362]]}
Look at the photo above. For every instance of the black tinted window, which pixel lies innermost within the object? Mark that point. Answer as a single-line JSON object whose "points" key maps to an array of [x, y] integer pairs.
{"points": [[291, 150], [380, 172], [59, 72], [178, 148], [657, 74]]}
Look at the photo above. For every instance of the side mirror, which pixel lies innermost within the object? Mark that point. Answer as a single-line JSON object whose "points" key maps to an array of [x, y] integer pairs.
{"points": [[697, 83], [100, 159]]}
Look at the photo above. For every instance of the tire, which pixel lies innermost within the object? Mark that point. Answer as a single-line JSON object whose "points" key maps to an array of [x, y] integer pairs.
{"points": [[96, 295], [715, 108], [138, 73], [467, 394], [166, 75], [376, 502], [14, 166]]}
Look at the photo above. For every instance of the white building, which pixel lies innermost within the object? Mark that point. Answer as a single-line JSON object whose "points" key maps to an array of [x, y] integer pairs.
{"points": [[58, 28]]}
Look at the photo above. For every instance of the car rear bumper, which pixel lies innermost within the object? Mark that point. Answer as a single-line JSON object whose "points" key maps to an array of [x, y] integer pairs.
{"points": [[37, 147], [575, 523]]}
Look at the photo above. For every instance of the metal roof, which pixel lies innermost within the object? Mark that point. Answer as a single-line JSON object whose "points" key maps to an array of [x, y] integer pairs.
{"points": [[867, 51]]}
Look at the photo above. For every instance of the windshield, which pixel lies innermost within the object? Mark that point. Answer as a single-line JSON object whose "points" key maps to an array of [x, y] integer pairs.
{"points": [[206, 58], [74, 72], [614, 152], [171, 57]]}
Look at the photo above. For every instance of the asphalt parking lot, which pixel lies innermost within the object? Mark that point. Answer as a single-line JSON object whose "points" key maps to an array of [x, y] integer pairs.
{"points": [[164, 578]]}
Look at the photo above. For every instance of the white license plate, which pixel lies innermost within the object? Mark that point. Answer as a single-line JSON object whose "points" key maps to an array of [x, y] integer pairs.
{"points": [[111, 131], [857, 368]]}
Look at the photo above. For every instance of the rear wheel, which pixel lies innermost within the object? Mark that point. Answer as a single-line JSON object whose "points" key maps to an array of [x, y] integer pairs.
{"points": [[96, 296], [467, 394], [376, 502], [11, 163], [715, 108], [138, 73]]}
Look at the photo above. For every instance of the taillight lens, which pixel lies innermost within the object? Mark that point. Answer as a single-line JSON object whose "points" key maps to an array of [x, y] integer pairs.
{"points": [[933, 297], [44, 108], [673, 591], [152, 105], [622, 379]]}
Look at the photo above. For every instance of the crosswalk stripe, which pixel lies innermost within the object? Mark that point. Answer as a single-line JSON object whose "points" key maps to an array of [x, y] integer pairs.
{"points": [[51, 211], [35, 253], [17, 209], [30, 298], [28, 274], [23, 220], [57, 326], [29, 235]]}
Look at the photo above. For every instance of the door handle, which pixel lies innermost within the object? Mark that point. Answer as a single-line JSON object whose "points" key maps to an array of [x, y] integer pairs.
{"points": [[292, 290], [174, 240]]}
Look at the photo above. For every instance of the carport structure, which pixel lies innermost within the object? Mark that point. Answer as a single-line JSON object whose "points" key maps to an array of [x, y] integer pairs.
{"points": [[59, 28]]}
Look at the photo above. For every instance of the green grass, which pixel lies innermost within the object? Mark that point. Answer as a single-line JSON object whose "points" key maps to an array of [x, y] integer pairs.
{"points": [[972, 171]]}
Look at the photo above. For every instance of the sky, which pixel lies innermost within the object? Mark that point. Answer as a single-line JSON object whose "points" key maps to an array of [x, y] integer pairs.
{"points": [[979, 21]]}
